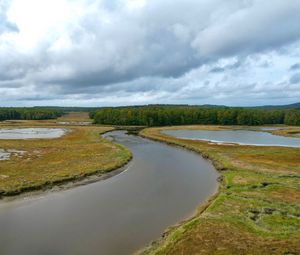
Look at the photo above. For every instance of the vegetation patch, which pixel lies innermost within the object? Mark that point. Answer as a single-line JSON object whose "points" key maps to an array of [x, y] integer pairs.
{"points": [[256, 210], [292, 131], [159, 115], [45, 162], [34, 113], [288, 195]]}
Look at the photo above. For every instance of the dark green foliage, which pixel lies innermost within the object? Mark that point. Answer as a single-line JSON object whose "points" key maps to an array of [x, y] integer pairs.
{"points": [[185, 115], [29, 113], [292, 117]]}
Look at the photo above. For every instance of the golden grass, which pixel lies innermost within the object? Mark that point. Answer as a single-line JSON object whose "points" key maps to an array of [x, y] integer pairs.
{"points": [[256, 210], [79, 153], [75, 116], [291, 131]]}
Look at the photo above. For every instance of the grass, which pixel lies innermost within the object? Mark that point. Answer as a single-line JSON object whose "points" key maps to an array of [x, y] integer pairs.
{"points": [[292, 131], [75, 117], [256, 210], [79, 153]]}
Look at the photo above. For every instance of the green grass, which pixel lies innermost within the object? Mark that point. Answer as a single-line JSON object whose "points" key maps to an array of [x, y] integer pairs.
{"points": [[256, 210]]}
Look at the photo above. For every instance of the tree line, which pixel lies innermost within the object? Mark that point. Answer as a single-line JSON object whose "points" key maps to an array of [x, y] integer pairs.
{"points": [[29, 113], [185, 115]]}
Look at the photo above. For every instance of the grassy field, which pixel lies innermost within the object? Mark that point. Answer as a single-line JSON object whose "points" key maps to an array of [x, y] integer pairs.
{"points": [[75, 117], [257, 208], [79, 153]]}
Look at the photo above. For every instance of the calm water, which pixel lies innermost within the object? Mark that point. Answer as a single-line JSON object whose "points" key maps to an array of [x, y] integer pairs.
{"points": [[161, 186], [31, 133], [245, 137]]}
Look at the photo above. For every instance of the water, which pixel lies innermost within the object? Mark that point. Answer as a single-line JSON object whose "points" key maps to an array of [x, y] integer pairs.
{"points": [[244, 137], [160, 187], [6, 154], [31, 133]]}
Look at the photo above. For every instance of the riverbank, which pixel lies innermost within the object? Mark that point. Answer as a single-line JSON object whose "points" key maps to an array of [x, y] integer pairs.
{"points": [[67, 160], [291, 132], [256, 210], [115, 216]]}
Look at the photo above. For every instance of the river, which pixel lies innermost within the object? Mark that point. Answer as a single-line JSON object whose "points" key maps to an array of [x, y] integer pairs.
{"points": [[160, 187]]}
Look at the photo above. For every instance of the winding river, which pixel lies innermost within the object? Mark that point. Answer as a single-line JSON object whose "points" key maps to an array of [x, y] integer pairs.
{"points": [[160, 187]]}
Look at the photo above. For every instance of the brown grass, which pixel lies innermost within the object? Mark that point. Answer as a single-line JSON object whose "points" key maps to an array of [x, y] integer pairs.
{"points": [[75, 116]]}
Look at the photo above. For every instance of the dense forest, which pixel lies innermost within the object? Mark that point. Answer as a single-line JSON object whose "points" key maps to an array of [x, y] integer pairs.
{"points": [[184, 115], [29, 113]]}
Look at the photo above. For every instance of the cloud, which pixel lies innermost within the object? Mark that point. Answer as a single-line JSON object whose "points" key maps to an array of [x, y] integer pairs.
{"points": [[252, 26], [149, 51], [5, 25], [295, 67], [295, 78]]}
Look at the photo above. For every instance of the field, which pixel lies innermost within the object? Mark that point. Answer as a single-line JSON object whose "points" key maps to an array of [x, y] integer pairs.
{"points": [[79, 153], [256, 210], [75, 117]]}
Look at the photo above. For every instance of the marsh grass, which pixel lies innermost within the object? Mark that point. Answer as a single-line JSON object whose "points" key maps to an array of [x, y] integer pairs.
{"points": [[75, 116], [80, 152], [256, 210], [292, 132]]}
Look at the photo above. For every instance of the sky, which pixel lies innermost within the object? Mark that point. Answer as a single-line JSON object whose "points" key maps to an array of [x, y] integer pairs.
{"points": [[132, 52]]}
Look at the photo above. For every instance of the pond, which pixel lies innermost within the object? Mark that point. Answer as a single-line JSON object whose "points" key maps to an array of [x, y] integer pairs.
{"points": [[243, 137], [31, 133], [160, 187]]}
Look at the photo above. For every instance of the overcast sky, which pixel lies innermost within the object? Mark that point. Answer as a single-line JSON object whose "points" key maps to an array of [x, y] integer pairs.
{"points": [[122, 52]]}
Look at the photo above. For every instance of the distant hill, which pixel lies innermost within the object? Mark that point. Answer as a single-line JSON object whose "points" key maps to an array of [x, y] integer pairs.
{"points": [[79, 108], [287, 106], [209, 106]]}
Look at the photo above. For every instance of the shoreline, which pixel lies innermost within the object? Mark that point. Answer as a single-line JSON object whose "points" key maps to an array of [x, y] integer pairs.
{"points": [[187, 213], [180, 232], [67, 184], [201, 208], [179, 227], [70, 182]]}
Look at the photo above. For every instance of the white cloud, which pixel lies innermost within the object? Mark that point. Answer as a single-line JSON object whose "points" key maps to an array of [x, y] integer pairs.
{"points": [[149, 51]]}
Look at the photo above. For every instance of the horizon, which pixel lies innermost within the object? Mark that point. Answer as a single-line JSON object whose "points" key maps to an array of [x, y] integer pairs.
{"points": [[137, 105], [129, 105]]}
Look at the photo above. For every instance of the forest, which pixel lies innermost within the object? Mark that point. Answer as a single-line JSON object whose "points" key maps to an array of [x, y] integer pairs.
{"points": [[29, 113], [186, 115]]}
